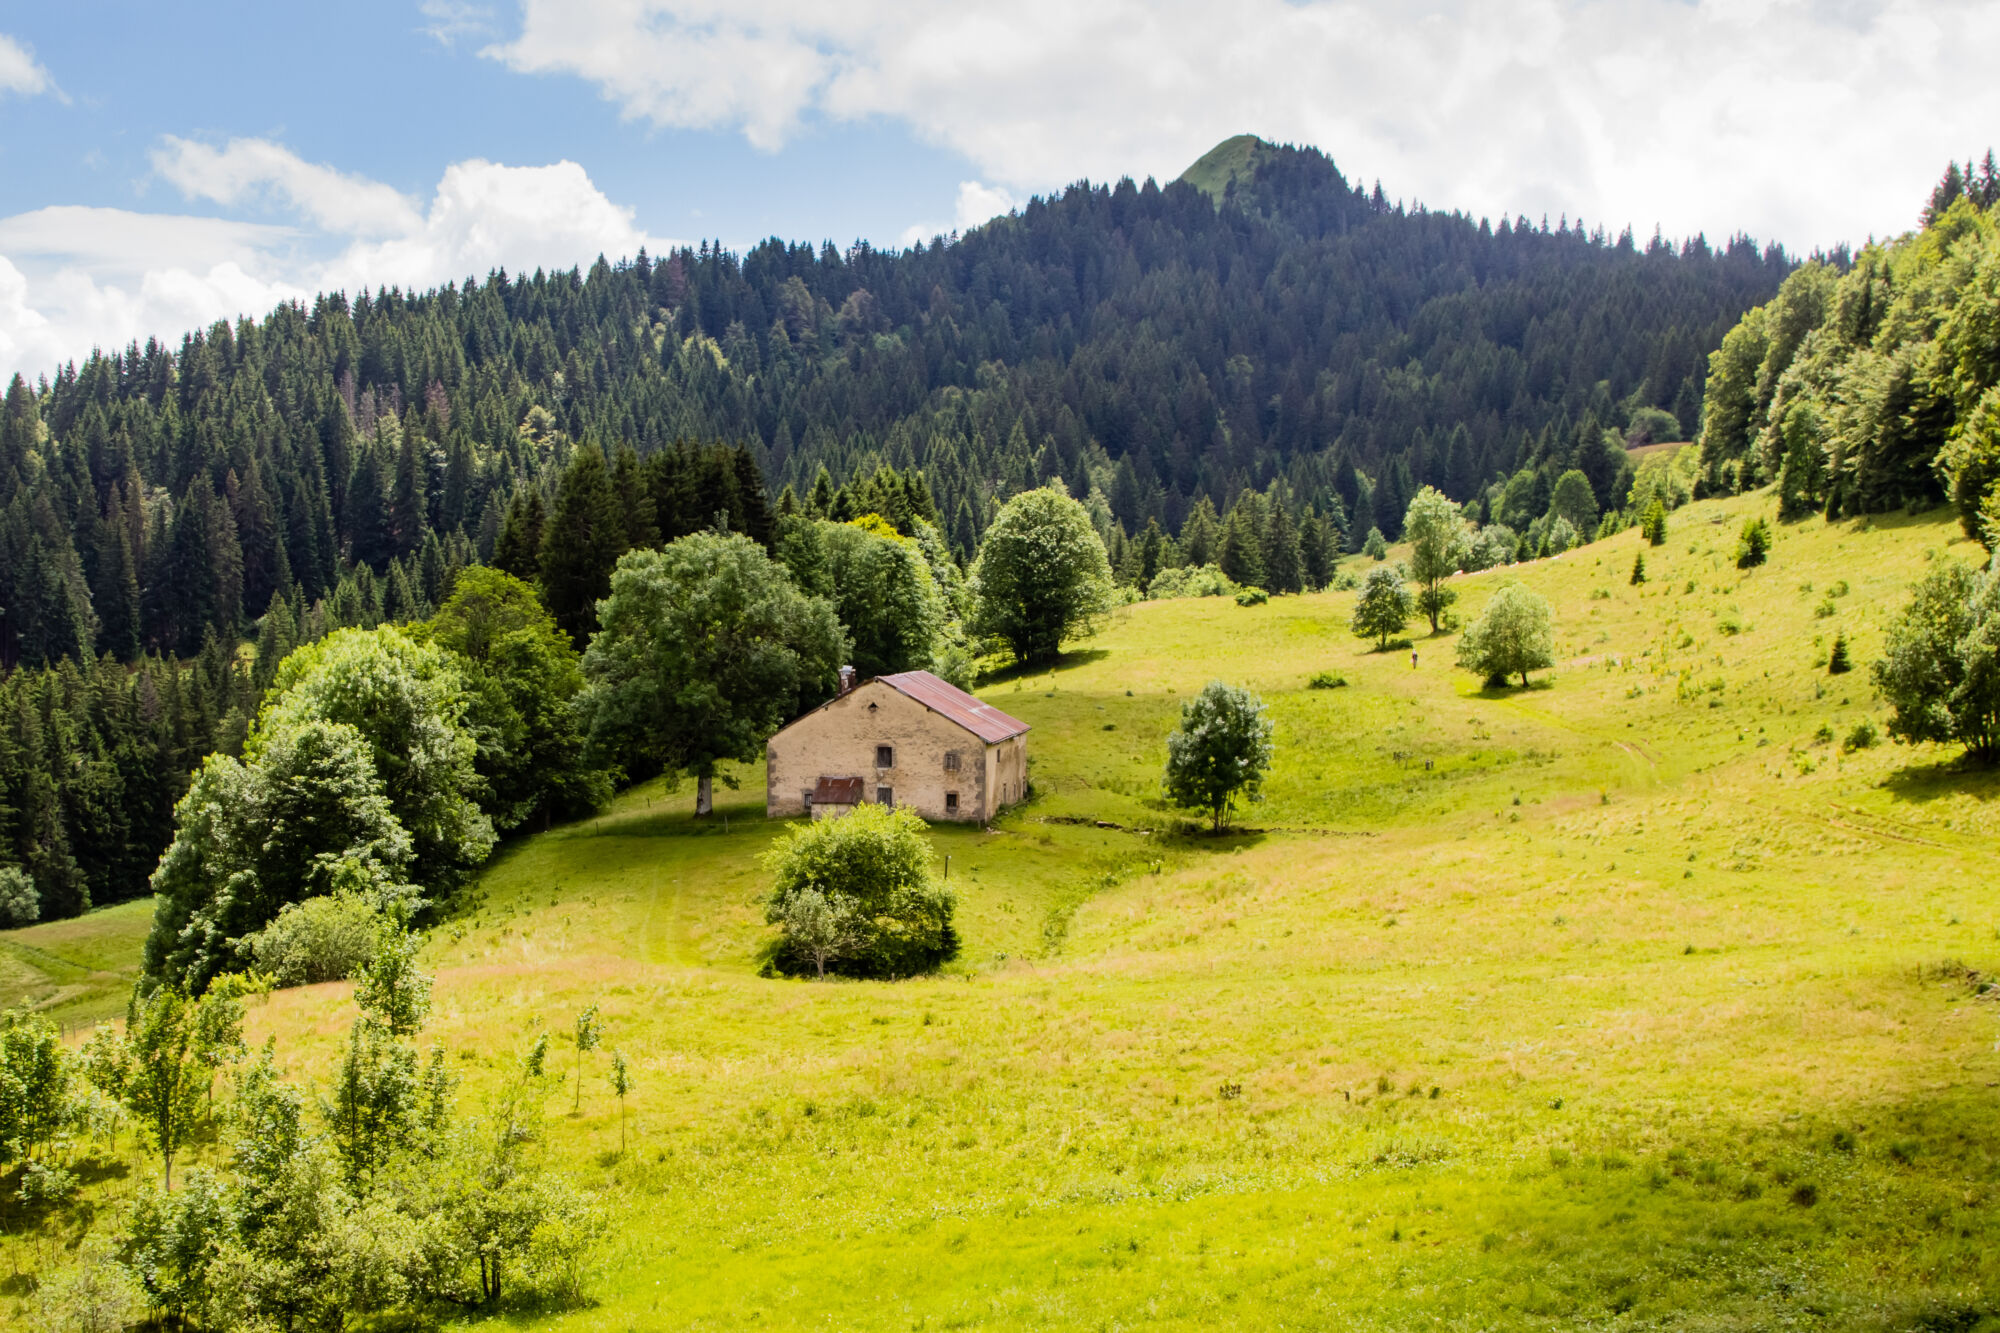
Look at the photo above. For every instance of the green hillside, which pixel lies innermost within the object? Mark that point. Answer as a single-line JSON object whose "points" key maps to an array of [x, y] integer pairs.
{"points": [[1232, 159], [1632, 999]]}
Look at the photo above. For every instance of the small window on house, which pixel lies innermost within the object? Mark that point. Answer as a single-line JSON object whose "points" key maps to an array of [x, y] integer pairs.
{"points": [[885, 756], [806, 799], [951, 802], [951, 761], [885, 796]]}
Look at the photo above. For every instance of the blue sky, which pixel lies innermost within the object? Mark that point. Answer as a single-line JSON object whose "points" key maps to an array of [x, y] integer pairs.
{"points": [[364, 87], [165, 166]]}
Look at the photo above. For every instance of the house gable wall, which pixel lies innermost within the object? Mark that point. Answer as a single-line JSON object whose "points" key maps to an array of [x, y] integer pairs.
{"points": [[840, 740]]}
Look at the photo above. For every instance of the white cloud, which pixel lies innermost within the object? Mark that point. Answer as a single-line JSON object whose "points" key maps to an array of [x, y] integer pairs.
{"points": [[20, 72], [977, 203], [73, 278], [249, 169], [1811, 121], [450, 20]]}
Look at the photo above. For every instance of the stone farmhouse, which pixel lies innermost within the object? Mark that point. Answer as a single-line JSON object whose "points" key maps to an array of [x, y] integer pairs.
{"points": [[909, 739]]}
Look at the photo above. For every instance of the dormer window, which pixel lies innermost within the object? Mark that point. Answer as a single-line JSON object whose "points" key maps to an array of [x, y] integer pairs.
{"points": [[885, 756]]}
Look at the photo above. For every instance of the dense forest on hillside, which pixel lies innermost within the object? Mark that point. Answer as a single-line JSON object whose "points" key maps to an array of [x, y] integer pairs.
{"points": [[1165, 351], [1877, 385]]}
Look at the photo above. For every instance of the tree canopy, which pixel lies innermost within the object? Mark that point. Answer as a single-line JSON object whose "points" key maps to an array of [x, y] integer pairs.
{"points": [[1382, 608], [1438, 541], [1515, 634], [1940, 670], [1042, 576], [705, 649], [1219, 752]]}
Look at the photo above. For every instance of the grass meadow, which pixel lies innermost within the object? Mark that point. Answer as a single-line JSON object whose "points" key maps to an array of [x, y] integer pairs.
{"points": [[1632, 999]]}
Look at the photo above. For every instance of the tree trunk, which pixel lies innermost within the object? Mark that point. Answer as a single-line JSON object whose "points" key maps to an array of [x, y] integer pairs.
{"points": [[704, 795]]}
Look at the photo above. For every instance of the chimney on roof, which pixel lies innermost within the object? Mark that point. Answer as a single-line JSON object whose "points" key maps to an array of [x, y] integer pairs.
{"points": [[846, 679]]}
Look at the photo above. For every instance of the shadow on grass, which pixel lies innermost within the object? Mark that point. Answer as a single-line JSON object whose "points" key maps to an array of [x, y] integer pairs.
{"points": [[1958, 776], [1509, 690], [1029, 670]]}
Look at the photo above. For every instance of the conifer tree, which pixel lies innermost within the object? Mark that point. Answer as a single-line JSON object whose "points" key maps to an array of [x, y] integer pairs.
{"points": [[1283, 562], [369, 541], [518, 548], [1241, 554], [1316, 552], [115, 593], [409, 497], [1638, 569], [1201, 534], [586, 534]]}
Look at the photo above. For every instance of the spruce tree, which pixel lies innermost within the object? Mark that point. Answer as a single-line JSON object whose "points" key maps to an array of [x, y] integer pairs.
{"points": [[116, 591], [1361, 522], [1241, 555], [1837, 663], [1200, 534], [1283, 559], [518, 548], [642, 528], [276, 637], [369, 541], [1654, 524], [585, 536], [1316, 549], [1638, 569], [409, 497]]}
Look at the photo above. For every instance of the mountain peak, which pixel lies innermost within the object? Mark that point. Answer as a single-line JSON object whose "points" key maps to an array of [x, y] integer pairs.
{"points": [[1232, 159]]}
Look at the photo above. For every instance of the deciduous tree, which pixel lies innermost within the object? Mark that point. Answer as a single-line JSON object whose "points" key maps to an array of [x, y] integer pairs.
{"points": [[1940, 670], [706, 649], [1382, 608], [1220, 751], [1513, 636], [888, 913], [1042, 575], [1437, 534]]}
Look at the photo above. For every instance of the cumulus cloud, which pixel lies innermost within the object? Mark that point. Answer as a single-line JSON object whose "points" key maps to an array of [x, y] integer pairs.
{"points": [[977, 203], [73, 278], [1810, 121], [20, 72], [248, 170]]}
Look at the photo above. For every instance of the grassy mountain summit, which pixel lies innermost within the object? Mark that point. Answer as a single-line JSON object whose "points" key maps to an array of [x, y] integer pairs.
{"points": [[1651, 995], [1235, 158]]}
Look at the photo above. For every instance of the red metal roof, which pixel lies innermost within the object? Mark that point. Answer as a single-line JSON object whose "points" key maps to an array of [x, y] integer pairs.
{"points": [[982, 720], [837, 791]]}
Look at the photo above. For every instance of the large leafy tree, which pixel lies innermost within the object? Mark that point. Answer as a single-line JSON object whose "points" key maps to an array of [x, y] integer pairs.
{"points": [[408, 701], [1574, 501], [250, 840], [1513, 636], [705, 649], [1438, 537], [885, 596], [1941, 668], [1042, 576], [1220, 751]]}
